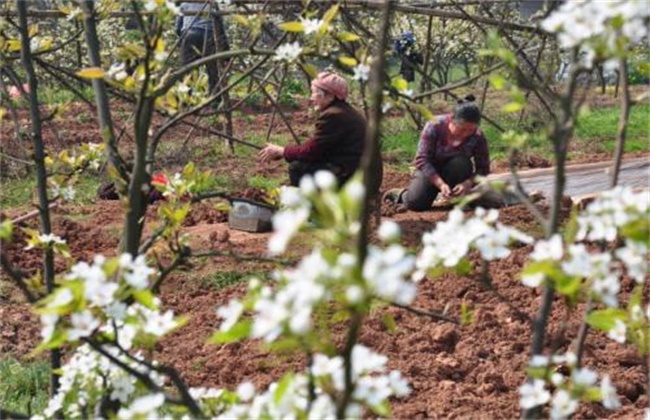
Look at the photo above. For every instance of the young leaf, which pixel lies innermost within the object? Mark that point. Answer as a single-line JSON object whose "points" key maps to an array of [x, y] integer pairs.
{"points": [[605, 319], [237, 332], [294, 26], [348, 61], [348, 36], [91, 73]]}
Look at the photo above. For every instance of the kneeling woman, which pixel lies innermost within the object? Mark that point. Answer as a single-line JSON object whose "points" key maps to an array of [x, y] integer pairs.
{"points": [[451, 151]]}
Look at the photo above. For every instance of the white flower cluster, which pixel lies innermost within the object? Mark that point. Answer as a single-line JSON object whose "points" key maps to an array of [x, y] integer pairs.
{"points": [[611, 211], [481, 232], [598, 26], [159, 5], [288, 308], [311, 26], [88, 377], [288, 52], [117, 72], [296, 204], [290, 398], [602, 220], [67, 193], [567, 390], [89, 287], [45, 240], [361, 72]]}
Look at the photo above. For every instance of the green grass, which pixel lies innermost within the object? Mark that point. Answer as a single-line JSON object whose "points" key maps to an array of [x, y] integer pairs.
{"points": [[264, 183], [598, 128], [21, 191], [596, 132], [24, 387], [220, 280]]}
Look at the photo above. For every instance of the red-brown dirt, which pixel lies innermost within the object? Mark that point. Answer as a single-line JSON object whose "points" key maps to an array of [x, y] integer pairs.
{"points": [[455, 371]]}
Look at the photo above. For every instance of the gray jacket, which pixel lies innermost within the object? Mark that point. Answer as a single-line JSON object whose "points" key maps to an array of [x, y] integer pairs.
{"points": [[201, 21]]}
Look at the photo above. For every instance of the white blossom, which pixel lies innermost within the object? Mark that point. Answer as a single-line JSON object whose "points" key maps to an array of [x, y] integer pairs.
{"points": [[389, 231], [533, 279], [618, 332], [246, 391], [311, 25], [608, 394], [361, 72], [533, 394], [563, 405], [230, 313], [584, 377], [550, 249], [288, 52], [83, 325], [143, 406]]}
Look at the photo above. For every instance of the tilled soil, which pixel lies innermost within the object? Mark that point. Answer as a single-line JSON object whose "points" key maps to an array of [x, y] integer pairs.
{"points": [[471, 371], [455, 371]]}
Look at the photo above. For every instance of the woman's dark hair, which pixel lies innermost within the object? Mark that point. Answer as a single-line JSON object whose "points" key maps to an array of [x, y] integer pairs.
{"points": [[467, 110]]}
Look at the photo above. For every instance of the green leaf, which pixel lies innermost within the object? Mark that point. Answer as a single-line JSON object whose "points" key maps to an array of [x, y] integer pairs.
{"points": [[145, 297], [571, 227], [282, 387], [237, 332], [310, 69], [513, 107], [567, 285], [424, 111], [389, 322], [241, 20], [294, 26], [497, 81], [91, 73], [330, 14], [605, 319], [637, 230], [382, 410], [6, 230], [57, 340], [466, 314], [399, 83], [348, 61], [347, 36], [464, 267]]}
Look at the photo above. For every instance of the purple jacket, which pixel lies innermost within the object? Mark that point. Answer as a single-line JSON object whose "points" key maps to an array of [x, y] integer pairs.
{"points": [[434, 148]]}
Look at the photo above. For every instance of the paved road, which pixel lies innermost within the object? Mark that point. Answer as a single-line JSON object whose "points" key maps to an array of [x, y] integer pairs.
{"points": [[587, 178]]}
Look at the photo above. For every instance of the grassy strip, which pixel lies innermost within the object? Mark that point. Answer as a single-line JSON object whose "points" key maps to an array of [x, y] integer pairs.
{"points": [[596, 132], [24, 387]]}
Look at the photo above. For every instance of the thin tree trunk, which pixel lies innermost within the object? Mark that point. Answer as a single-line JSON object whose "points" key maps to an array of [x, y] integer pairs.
{"points": [[622, 122], [101, 92], [41, 174]]}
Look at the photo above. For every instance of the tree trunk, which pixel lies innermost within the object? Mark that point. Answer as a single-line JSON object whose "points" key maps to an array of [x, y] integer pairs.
{"points": [[41, 174]]}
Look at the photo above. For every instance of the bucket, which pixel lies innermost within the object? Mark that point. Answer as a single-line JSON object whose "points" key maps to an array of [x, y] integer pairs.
{"points": [[250, 216]]}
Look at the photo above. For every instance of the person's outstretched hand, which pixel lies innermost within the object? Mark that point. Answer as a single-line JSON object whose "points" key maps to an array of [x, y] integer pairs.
{"points": [[271, 152], [462, 189], [444, 189]]}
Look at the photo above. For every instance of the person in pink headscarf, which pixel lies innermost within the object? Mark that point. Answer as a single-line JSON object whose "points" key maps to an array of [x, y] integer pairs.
{"points": [[337, 142]]}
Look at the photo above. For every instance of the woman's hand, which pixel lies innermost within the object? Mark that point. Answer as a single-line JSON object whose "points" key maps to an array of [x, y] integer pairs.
{"points": [[444, 189], [462, 189], [271, 152]]}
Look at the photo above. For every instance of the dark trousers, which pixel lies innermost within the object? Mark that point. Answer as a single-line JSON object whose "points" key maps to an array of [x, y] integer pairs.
{"points": [[199, 43], [421, 192], [298, 169]]}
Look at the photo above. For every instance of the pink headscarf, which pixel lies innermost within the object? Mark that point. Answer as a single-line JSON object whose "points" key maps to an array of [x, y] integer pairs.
{"points": [[332, 83]]}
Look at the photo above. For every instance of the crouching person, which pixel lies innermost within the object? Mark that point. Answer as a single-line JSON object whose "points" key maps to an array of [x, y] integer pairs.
{"points": [[451, 152], [337, 142]]}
